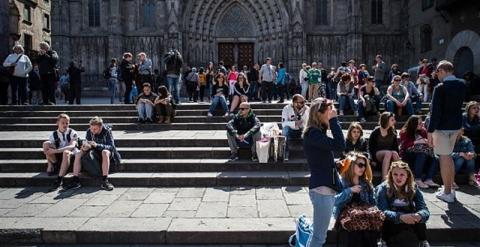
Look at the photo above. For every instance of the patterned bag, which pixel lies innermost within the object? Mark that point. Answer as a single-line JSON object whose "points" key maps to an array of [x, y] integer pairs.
{"points": [[421, 148], [356, 217]]}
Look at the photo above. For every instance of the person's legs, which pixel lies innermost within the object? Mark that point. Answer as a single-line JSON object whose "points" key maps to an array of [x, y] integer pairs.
{"points": [[419, 165], [341, 103], [447, 171], [213, 105], [235, 103], [51, 158], [304, 89], [390, 106], [65, 163], [322, 212], [22, 91], [141, 111], [128, 89], [105, 162], [51, 88], [149, 111], [384, 156], [458, 163], [316, 86], [223, 103], [353, 107], [14, 89], [361, 110], [256, 137], [409, 108], [269, 91], [285, 132], [232, 143], [432, 168]]}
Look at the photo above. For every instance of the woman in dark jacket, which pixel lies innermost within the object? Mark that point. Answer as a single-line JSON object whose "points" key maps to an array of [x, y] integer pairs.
{"points": [[471, 123], [383, 143], [127, 69], [219, 94], [355, 141], [319, 150]]}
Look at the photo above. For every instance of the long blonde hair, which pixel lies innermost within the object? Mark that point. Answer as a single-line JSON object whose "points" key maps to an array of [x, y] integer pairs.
{"points": [[407, 191], [348, 164], [313, 121]]}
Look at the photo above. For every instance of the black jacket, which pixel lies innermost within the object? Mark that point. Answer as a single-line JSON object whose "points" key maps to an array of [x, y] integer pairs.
{"points": [[104, 141], [244, 126], [447, 102], [126, 70], [47, 62]]}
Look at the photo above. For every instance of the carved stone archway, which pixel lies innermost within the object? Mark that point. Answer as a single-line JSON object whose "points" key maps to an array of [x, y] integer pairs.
{"points": [[469, 39]]}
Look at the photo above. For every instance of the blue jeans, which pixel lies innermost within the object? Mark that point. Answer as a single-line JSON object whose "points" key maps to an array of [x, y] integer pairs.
{"points": [[112, 87], [468, 164], [253, 90], [343, 100], [290, 133], [145, 111], [322, 212], [218, 100], [418, 103], [420, 161], [392, 107], [172, 83], [304, 89]]}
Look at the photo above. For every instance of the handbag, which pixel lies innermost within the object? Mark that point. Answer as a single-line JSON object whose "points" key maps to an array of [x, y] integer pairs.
{"points": [[361, 217], [11, 68], [421, 148]]}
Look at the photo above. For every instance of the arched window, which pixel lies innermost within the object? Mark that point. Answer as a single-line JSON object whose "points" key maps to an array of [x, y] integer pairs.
{"points": [[426, 38], [377, 11], [94, 13], [321, 10], [148, 13]]}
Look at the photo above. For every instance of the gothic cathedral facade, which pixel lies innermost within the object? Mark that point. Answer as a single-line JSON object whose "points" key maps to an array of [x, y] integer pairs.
{"points": [[241, 32]]}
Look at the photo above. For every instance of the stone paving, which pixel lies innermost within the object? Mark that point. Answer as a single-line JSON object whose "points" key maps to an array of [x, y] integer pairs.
{"points": [[191, 209]]}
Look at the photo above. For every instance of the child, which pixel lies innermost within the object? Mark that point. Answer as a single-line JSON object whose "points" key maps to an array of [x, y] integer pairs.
{"points": [[60, 147], [464, 156]]}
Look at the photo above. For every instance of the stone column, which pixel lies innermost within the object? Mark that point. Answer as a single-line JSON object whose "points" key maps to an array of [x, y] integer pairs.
{"points": [[354, 37], [115, 48], [4, 29], [61, 41], [174, 37], [297, 45]]}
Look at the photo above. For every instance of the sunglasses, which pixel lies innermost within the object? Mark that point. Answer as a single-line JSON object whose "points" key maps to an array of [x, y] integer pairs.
{"points": [[324, 103], [361, 165], [397, 80], [243, 109]]}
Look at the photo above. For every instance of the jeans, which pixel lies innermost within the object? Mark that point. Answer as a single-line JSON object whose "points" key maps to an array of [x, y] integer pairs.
{"points": [[381, 87], [418, 103], [233, 142], [419, 161], [332, 90], [172, 83], [322, 212], [112, 87], [253, 90], [144, 110], [267, 90], [290, 133], [281, 91], [392, 107], [343, 100], [461, 162], [362, 111], [218, 100], [304, 89]]}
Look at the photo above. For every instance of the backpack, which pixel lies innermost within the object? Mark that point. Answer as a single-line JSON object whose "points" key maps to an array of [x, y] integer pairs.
{"points": [[303, 232], [106, 73]]}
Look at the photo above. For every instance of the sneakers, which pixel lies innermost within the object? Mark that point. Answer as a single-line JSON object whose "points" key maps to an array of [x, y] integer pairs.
{"points": [[420, 184], [226, 114], [209, 114], [106, 185], [424, 244], [55, 185], [233, 157], [72, 186], [430, 183], [254, 158], [449, 198]]}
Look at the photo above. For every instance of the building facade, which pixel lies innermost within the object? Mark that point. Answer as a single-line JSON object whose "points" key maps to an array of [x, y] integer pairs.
{"points": [[243, 32], [26, 22]]}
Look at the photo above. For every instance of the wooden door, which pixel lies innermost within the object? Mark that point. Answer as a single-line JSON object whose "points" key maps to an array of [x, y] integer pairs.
{"points": [[245, 55], [226, 54]]}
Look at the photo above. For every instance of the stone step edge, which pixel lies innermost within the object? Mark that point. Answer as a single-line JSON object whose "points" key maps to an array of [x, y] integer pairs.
{"points": [[197, 231]]}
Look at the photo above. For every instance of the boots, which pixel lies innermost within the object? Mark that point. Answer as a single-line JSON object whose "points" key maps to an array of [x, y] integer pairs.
{"points": [[167, 120], [160, 119]]}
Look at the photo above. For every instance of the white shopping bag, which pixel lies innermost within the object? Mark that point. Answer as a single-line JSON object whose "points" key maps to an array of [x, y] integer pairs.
{"points": [[270, 129], [263, 150]]}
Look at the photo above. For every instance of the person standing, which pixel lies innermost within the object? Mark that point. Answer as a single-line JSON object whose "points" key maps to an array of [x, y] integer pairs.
{"points": [[380, 72], [75, 73], [47, 63], [127, 69], [303, 79], [252, 77], [145, 70], [21, 65], [445, 124], [319, 150], [173, 64], [111, 74], [267, 77], [314, 79]]}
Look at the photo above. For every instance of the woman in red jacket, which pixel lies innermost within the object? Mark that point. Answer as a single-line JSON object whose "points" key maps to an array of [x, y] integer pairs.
{"points": [[415, 150]]}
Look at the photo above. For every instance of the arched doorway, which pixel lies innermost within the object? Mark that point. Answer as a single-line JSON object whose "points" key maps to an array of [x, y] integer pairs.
{"points": [[463, 61]]}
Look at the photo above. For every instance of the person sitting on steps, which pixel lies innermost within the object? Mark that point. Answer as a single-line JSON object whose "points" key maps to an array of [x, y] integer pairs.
{"points": [[294, 118], [60, 145], [164, 106], [97, 154], [145, 104], [243, 129]]}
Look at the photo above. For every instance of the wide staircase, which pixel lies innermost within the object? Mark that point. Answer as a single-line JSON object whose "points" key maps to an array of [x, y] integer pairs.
{"points": [[183, 163]]}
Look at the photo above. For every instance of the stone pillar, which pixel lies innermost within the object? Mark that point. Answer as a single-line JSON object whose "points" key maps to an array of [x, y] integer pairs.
{"points": [[297, 37], [355, 37], [60, 19], [115, 48], [4, 29], [174, 37]]}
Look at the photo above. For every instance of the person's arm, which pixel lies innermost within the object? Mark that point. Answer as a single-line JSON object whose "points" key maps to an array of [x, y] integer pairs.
{"points": [[407, 96], [420, 206], [54, 58], [343, 197], [382, 204], [435, 109], [109, 143], [28, 64], [395, 143], [323, 142], [256, 127], [231, 130], [8, 61], [389, 94], [372, 144]]}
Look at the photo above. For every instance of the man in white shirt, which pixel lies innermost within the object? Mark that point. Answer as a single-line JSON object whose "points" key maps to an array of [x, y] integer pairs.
{"points": [[294, 118]]}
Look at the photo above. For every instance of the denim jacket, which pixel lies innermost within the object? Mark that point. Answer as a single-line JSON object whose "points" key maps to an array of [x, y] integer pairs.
{"points": [[464, 145], [345, 196], [384, 204]]}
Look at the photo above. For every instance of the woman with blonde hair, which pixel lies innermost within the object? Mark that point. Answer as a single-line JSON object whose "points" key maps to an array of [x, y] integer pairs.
{"points": [[356, 175], [403, 205], [319, 150]]}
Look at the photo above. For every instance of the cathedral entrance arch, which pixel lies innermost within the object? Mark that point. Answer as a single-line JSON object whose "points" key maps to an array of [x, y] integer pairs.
{"points": [[240, 54]]}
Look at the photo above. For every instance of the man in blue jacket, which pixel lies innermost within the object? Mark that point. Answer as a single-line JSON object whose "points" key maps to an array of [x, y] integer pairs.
{"points": [[445, 124]]}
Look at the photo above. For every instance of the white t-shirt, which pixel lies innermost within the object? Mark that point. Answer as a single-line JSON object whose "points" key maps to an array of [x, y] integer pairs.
{"points": [[63, 137]]}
